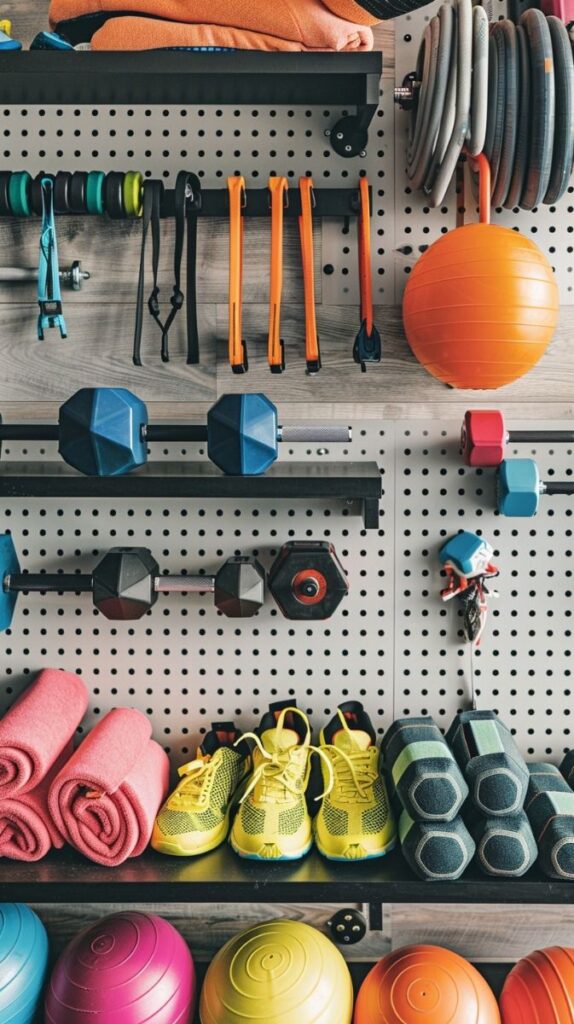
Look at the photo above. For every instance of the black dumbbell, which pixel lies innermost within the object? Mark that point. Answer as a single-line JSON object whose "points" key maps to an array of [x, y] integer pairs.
{"points": [[126, 582], [105, 432], [307, 580]]}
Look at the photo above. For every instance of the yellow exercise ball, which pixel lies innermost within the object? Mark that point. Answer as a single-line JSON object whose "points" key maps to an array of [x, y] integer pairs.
{"points": [[280, 972]]}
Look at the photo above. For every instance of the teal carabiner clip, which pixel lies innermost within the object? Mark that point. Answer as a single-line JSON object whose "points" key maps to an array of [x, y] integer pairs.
{"points": [[49, 295]]}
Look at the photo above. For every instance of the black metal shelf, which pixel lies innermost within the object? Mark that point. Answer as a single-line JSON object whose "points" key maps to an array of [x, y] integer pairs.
{"points": [[334, 80], [346, 481], [221, 876]]}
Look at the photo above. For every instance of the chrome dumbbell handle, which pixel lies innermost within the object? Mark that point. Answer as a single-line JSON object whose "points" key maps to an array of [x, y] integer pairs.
{"points": [[320, 432], [73, 276], [184, 584]]}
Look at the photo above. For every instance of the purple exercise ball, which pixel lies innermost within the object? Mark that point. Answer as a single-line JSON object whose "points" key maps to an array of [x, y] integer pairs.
{"points": [[128, 968]]}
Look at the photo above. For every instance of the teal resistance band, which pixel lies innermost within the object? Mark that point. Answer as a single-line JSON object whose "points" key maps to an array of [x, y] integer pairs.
{"points": [[49, 295]]}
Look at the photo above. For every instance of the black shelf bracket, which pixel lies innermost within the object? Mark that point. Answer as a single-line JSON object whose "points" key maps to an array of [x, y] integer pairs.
{"points": [[342, 81]]}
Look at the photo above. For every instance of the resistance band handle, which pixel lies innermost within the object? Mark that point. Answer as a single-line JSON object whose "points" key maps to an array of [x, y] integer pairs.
{"points": [[315, 432], [278, 187], [61, 583], [184, 584], [555, 487], [237, 348], [541, 436], [312, 353]]}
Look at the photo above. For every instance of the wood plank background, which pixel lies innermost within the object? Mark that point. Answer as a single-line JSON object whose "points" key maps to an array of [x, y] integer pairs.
{"points": [[35, 378]]}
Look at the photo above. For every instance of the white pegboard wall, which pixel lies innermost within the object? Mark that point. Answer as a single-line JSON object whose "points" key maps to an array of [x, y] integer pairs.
{"points": [[392, 643]]}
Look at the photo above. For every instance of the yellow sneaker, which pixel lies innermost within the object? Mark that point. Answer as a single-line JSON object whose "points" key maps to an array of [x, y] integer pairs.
{"points": [[273, 822], [355, 821], [196, 816]]}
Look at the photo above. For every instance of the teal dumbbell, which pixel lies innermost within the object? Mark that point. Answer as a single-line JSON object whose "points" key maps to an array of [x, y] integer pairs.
{"points": [[6, 41], [519, 487]]}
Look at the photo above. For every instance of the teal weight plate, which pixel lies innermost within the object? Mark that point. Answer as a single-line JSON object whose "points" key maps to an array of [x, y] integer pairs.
{"points": [[18, 193], [95, 192]]}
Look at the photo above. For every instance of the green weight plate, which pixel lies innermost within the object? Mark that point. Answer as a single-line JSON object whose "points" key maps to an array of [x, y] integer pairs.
{"points": [[18, 193], [564, 124], [95, 192], [542, 109], [523, 135]]}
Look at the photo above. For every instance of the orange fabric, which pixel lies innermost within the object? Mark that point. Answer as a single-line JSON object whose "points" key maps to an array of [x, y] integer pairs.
{"points": [[350, 10], [245, 24]]}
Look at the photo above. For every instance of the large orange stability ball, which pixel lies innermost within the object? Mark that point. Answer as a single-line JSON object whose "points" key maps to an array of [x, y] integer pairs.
{"points": [[540, 989], [425, 985], [480, 307]]}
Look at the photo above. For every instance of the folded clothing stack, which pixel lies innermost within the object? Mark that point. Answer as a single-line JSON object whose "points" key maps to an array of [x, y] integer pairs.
{"points": [[36, 739], [427, 783], [550, 809], [244, 24], [497, 776]]}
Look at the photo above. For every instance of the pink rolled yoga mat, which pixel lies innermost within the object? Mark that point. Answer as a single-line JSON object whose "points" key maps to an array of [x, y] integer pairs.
{"points": [[37, 728], [105, 799], [27, 831]]}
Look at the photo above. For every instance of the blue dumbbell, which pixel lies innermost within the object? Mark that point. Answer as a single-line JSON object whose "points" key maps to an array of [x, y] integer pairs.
{"points": [[519, 487], [105, 432], [6, 41]]}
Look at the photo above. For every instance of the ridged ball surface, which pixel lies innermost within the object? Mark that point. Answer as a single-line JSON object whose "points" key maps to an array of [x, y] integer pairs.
{"points": [[425, 985], [281, 972], [480, 307], [540, 989], [128, 968], [23, 962]]}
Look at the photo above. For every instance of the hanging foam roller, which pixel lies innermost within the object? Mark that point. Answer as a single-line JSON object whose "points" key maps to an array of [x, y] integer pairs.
{"points": [[422, 771], [493, 767]]}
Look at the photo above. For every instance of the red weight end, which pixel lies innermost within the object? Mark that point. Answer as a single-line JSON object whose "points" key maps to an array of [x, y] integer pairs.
{"points": [[483, 437]]}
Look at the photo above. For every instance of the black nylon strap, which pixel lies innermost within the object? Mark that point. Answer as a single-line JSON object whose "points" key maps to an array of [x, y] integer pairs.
{"points": [[193, 207], [150, 190]]}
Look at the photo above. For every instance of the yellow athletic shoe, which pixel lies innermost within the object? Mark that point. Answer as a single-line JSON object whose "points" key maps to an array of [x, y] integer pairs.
{"points": [[355, 821], [196, 816], [273, 822]]}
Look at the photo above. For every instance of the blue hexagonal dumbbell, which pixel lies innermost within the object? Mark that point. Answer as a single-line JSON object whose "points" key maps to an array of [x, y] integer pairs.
{"points": [[242, 434], [102, 431], [518, 487], [9, 566]]}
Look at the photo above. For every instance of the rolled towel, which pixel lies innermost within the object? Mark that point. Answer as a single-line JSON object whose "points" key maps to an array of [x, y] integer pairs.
{"points": [[493, 766], [505, 847], [436, 851], [37, 728], [550, 810], [422, 770], [105, 799], [27, 831]]}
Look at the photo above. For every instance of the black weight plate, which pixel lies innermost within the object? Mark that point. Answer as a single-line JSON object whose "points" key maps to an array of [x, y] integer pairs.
{"points": [[78, 192], [507, 32], [500, 107], [62, 192], [5, 210], [564, 123], [524, 115], [114, 195], [542, 109]]}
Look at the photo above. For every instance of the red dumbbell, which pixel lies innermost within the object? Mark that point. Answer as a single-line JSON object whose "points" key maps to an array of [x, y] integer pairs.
{"points": [[484, 437]]}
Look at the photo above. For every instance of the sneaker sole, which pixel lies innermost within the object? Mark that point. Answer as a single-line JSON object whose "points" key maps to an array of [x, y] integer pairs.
{"points": [[358, 860], [179, 850], [255, 856]]}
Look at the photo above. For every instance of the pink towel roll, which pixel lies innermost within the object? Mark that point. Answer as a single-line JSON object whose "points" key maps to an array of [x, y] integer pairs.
{"points": [[37, 728], [27, 831], [105, 799]]}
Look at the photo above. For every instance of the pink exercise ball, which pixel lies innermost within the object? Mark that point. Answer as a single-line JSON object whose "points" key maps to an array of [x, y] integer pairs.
{"points": [[128, 968]]}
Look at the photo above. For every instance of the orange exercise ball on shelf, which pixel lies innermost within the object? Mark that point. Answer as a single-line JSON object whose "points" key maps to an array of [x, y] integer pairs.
{"points": [[481, 304], [425, 985], [540, 989]]}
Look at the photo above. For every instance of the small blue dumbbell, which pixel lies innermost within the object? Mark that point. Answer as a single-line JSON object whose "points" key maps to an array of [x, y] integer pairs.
{"points": [[519, 487], [467, 553], [6, 41], [105, 432]]}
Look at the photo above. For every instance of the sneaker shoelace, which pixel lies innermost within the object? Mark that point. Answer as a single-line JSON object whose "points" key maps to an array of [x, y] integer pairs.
{"points": [[278, 773], [353, 772], [195, 775]]}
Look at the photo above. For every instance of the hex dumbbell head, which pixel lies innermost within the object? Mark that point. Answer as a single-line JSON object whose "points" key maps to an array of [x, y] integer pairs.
{"points": [[518, 487], [9, 565], [240, 587], [123, 583], [483, 437], [242, 434], [101, 431], [307, 580]]}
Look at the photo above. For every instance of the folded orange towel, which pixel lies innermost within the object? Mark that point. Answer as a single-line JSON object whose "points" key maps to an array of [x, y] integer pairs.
{"points": [[364, 12], [246, 24]]}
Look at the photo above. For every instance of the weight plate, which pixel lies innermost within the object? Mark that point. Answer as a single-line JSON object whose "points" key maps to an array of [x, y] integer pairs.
{"points": [[457, 139], [438, 87], [492, 97], [524, 116], [77, 192], [95, 192], [479, 99], [542, 109], [18, 193], [448, 113], [36, 193], [506, 30], [5, 210], [499, 111], [564, 122], [114, 195], [420, 96], [62, 192], [133, 193]]}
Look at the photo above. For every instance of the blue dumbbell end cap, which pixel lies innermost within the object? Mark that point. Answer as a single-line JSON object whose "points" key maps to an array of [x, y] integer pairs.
{"points": [[518, 487], [459, 551], [24, 960], [242, 434], [8, 566], [101, 431]]}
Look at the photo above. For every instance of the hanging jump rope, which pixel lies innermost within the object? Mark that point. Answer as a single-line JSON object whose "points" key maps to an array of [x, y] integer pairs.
{"points": [[49, 294]]}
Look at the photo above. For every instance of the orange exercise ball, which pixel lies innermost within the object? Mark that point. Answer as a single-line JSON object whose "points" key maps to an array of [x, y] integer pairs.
{"points": [[540, 989], [480, 307], [425, 985]]}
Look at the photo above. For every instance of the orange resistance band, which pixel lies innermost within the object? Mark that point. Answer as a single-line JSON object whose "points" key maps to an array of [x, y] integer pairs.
{"points": [[365, 270], [278, 188], [312, 354], [237, 348]]}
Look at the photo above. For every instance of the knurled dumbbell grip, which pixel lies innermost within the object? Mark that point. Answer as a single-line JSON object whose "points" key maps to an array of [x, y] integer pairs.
{"points": [[184, 584], [319, 432], [540, 436], [39, 582]]}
